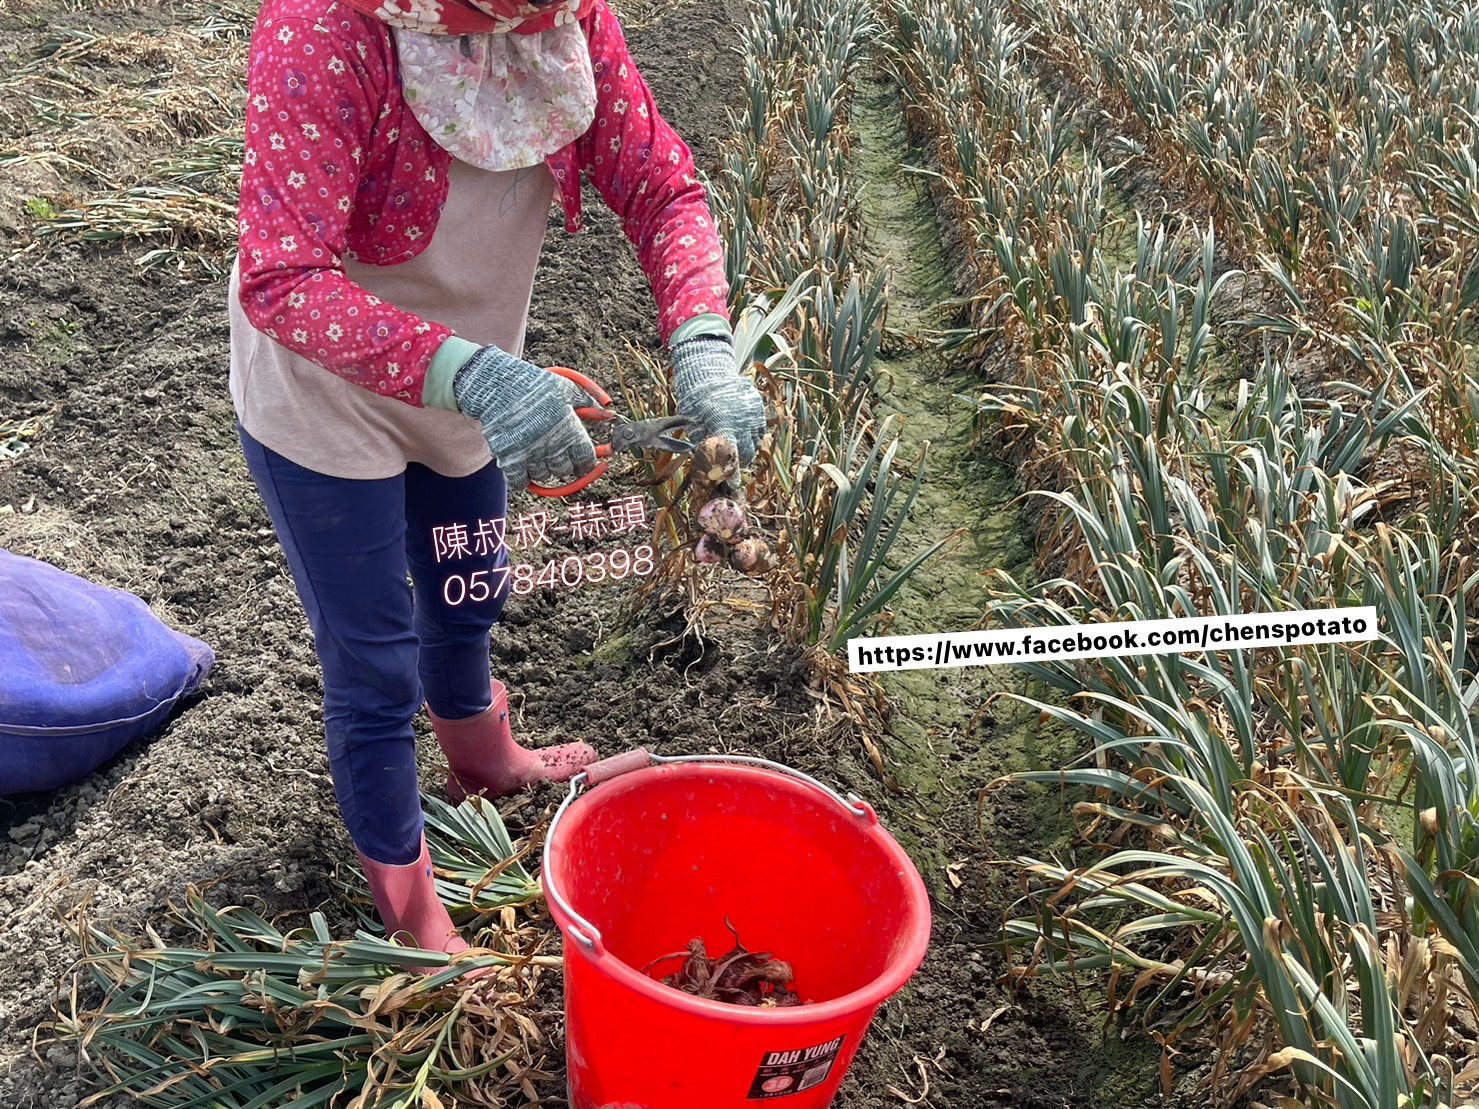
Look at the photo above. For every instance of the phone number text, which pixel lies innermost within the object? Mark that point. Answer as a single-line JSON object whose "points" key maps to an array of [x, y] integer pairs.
{"points": [[591, 568]]}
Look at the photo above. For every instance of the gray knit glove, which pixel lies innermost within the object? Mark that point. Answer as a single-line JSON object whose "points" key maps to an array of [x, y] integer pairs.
{"points": [[711, 391], [527, 415]]}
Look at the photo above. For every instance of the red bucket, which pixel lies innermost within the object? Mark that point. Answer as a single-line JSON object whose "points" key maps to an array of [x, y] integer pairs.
{"points": [[657, 855]]}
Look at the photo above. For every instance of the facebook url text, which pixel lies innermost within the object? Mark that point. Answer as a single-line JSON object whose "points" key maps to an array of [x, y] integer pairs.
{"points": [[1138, 637]]}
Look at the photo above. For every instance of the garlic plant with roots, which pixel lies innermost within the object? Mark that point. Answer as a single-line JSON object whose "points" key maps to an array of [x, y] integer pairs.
{"points": [[713, 483]]}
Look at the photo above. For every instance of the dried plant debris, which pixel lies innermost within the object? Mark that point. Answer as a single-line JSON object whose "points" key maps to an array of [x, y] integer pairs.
{"points": [[739, 977]]}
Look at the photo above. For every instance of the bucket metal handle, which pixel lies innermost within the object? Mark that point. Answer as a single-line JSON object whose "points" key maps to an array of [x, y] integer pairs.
{"points": [[583, 930]]}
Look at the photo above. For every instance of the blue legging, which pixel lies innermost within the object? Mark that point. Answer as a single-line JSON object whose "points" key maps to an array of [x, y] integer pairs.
{"points": [[383, 649]]}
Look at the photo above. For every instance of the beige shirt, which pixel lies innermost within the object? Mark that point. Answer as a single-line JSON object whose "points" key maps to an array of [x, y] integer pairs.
{"points": [[476, 276]]}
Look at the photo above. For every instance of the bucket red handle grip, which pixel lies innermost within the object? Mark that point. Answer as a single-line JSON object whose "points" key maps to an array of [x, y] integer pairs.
{"points": [[606, 769]]}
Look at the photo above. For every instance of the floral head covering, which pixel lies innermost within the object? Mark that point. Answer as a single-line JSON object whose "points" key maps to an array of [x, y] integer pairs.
{"points": [[499, 84], [474, 17]]}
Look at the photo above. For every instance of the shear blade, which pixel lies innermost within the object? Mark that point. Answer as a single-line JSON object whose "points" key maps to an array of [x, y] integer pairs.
{"points": [[631, 435]]}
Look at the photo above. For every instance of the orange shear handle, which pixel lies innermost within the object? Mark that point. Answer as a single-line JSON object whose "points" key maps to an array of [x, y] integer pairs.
{"points": [[595, 415]]}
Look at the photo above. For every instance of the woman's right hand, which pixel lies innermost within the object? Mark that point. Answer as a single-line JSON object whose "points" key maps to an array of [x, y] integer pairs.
{"points": [[528, 417]]}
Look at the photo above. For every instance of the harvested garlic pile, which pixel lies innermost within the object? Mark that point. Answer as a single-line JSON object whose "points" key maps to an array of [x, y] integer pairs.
{"points": [[738, 977]]}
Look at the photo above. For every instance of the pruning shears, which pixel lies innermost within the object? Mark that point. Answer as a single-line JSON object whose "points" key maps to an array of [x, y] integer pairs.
{"points": [[626, 435]]}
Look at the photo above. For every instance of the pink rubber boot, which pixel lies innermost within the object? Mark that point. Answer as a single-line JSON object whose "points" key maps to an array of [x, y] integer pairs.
{"points": [[407, 901], [482, 756]]}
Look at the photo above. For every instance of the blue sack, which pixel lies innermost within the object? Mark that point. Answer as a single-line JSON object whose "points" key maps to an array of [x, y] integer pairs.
{"points": [[84, 671]]}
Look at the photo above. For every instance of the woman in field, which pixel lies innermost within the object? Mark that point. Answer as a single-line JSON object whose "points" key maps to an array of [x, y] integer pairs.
{"points": [[401, 157]]}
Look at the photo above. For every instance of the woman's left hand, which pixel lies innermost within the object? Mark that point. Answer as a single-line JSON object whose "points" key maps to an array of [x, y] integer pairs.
{"points": [[711, 392]]}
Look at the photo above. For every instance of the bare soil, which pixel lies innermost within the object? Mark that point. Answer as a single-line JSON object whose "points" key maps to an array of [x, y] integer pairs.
{"points": [[136, 481]]}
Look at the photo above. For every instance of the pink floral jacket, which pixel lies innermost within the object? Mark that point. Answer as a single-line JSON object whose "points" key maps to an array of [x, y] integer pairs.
{"points": [[336, 166]]}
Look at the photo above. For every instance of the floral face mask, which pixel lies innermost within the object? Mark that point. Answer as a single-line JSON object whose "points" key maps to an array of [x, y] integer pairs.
{"points": [[496, 101], [499, 84]]}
